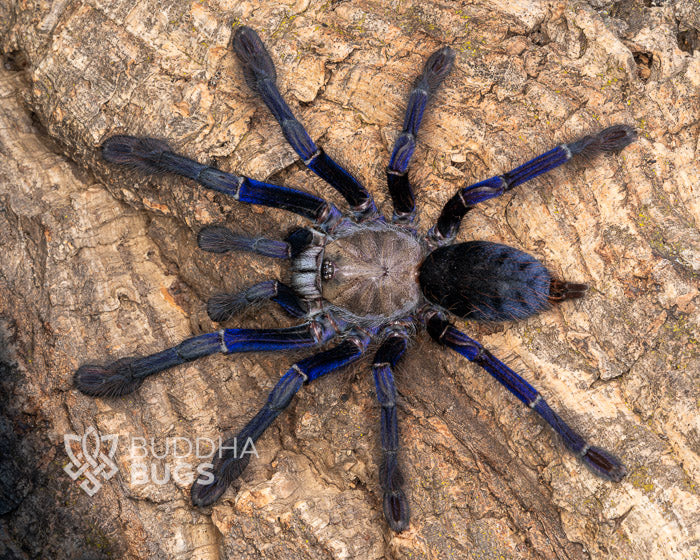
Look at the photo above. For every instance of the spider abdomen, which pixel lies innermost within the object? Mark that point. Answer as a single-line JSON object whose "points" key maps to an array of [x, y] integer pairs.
{"points": [[485, 281], [373, 271]]}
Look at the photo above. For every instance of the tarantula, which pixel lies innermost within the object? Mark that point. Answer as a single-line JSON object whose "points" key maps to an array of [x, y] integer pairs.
{"points": [[358, 278]]}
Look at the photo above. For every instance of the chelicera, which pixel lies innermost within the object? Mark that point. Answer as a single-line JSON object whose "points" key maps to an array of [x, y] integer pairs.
{"points": [[359, 281]]}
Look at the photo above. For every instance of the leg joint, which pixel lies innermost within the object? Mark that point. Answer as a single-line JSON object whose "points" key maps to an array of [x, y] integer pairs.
{"points": [[303, 375], [310, 160]]}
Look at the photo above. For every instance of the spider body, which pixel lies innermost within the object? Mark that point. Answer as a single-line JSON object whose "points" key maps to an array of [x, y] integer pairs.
{"points": [[357, 279], [368, 273]]}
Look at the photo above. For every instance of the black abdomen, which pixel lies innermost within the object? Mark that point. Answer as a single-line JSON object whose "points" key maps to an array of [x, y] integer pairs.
{"points": [[485, 281]]}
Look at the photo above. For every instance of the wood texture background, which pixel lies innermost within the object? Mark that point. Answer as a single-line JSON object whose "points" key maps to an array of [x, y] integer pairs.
{"points": [[98, 263]]}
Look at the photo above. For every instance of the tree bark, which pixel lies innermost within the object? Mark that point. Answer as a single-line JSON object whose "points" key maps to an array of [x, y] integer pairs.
{"points": [[101, 263]]}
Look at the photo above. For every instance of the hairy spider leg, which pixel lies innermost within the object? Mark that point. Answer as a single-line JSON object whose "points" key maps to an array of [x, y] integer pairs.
{"points": [[395, 503], [231, 459], [261, 76], [599, 461], [437, 67], [612, 139], [221, 307], [126, 375], [155, 156], [220, 239]]}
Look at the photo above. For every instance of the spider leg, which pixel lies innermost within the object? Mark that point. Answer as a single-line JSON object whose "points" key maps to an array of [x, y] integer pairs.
{"points": [[612, 139], [395, 503], [599, 461], [126, 375], [260, 75], [221, 307], [232, 458], [219, 239], [437, 67], [155, 156]]}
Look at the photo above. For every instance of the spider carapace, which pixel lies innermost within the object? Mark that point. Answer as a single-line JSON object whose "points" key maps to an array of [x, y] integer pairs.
{"points": [[358, 279]]}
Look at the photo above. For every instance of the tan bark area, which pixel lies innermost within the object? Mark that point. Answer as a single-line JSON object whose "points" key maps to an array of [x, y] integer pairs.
{"points": [[98, 263]]}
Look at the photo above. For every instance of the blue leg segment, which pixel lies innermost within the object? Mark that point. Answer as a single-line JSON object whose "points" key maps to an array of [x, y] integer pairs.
{"points": [[155, 156], [395, 503], [261, 76], [231, 459], [612, 139], [436, 68], [219, 239], [126, 375], [222, 307], [598, 460]]}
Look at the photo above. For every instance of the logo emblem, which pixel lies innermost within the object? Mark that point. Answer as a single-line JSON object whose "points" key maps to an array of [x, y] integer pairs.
{"points": [[90, 461]]}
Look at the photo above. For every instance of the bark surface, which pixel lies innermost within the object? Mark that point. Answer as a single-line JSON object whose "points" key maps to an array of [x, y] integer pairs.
{"points": [[99, 263]]}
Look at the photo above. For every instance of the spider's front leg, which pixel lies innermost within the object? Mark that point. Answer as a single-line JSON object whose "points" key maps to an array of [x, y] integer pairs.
{"points": [[599, 461], [231, 459], [126, 375], [612, 139], [154, 156]]}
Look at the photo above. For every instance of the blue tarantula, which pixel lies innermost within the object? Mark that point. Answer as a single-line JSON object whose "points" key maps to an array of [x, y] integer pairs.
{"points": [[358, 278]]}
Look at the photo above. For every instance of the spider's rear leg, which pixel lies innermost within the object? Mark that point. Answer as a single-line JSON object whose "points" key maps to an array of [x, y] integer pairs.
{"points": [[612, 139], [599, 461], [396, 508], [126, 375], [437, 67], [261, 76], [560, 290], [231, 459]]}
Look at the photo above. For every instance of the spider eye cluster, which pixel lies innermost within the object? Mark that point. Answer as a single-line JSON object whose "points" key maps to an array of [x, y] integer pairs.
{"points": [[485, 281], [327, 269]]}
